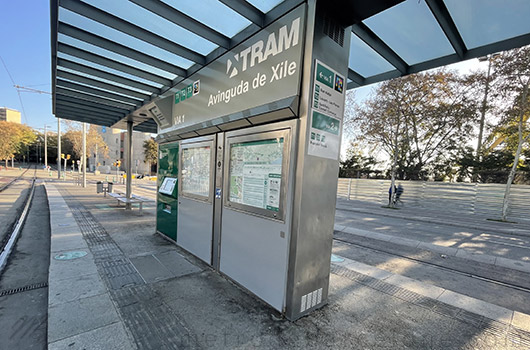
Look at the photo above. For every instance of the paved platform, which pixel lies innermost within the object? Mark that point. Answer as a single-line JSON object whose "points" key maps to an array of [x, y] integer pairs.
{"points": [[134, 289], [458, 252], [479, 222]]}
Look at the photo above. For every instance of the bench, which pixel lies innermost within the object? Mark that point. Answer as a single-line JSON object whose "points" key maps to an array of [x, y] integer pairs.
{"points": [[121, 198]]}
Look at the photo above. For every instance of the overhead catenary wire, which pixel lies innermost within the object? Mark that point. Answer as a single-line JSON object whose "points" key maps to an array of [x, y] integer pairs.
{"points": [[18, 91]]}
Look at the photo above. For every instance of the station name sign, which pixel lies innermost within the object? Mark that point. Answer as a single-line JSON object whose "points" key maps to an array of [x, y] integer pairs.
{"points": [[263, 69]]}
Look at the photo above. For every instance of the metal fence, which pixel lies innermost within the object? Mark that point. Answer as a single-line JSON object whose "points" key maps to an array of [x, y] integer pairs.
{"points": [[470, 198]]}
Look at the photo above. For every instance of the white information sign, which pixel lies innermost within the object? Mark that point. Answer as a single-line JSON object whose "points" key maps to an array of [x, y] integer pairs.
{"points": [[255, 173], [327, 110], [168, 186], [196, 171]]}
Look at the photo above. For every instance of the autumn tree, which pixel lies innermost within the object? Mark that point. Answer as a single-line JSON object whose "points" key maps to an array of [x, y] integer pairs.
{"points": [[14, 138], [151, 152], [416, 120], [74, 137], [512, 69]]}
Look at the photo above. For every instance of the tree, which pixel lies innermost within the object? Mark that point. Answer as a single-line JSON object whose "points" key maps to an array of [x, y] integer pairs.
{"points": [[356, 165], [14, 138], [151, 152], [416, 120], [512, 69], [74, 140]]}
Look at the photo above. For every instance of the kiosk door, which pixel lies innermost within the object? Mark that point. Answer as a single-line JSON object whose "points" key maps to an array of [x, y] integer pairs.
{"points": [[256, 219], [196, 182]]}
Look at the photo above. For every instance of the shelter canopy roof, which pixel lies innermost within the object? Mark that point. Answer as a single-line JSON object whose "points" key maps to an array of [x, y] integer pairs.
{"points": [[111, 57]]}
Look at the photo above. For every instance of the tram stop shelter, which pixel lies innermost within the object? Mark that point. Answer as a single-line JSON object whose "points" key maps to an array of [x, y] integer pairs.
{"points": [[247, 101]]}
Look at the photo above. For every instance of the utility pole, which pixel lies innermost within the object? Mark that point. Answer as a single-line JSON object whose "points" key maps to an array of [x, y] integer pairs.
{"points": [[83, 161], [45, 147], [59, 148]]}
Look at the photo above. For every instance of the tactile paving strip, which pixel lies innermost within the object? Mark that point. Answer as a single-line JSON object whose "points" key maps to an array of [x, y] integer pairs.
{"points": [[517, 337], [151, 322]]}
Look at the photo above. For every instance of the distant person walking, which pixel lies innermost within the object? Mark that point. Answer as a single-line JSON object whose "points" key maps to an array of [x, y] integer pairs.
{"points": [[390, 194], [399, 192]]}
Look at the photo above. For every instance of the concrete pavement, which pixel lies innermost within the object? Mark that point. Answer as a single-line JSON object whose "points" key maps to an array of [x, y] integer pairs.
{"points": [[165, 298], [477, 222]]}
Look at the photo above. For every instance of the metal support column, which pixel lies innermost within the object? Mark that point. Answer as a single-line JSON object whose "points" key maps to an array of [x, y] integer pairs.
{"points": [[128, 186], [45, 147], [83, 161], [59, 148]]}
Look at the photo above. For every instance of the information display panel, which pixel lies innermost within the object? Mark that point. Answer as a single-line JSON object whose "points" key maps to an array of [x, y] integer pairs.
{"points": [[168, 186], [196, 170], [257, 173]]}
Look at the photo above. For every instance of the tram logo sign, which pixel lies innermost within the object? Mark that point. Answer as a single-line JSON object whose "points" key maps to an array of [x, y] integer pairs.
{"points": [[285, 38], [261, 70]]}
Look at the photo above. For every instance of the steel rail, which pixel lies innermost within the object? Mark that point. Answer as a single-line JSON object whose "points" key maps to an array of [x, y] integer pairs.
{"points": [[448, 269], [15, 179], [5, 250]]}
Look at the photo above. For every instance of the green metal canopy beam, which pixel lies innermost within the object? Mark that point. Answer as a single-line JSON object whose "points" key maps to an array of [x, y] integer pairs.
{"points": [[78, 67], [101, 93], [102, 85], [89, 109], [90, 104], [356, 77], [94, 118], [131, 29], [182, 20], [95, 99], [445, 21], [106, 62], [115, 47], [98, 116], [246, 10], [371, 39]]}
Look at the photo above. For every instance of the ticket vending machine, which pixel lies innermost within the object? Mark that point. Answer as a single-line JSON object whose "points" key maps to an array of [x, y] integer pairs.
{"points": [[167, 190], [257, 132]]}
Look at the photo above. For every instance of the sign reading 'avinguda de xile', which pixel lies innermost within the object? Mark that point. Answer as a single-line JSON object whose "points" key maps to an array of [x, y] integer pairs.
{"points": [[263, 69]]}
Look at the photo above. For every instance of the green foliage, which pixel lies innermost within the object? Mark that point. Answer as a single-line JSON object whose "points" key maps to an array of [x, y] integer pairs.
{"points": [[14, 139], [418, 118], [358, 166], [151, 152]]}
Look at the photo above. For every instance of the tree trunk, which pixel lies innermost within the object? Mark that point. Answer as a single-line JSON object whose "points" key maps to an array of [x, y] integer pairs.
{"points": [[506, 200], [393, 173]]}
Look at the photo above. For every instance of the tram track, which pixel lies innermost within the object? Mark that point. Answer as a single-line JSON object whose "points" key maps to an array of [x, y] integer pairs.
{"points": [[435, 265], [6, 186], [9, 240]]}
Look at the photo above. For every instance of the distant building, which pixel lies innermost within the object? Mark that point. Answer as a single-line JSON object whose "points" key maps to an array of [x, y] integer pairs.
{"points": [[10, 115], [117, 150]]}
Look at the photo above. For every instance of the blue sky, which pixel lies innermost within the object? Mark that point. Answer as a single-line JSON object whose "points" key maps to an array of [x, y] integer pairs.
{"points": [[25, 49]]}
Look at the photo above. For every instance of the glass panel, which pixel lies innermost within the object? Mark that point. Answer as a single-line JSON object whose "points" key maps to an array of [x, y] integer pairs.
{"points": [[482, 22], [107, 69], [95, 94], [365, 61], [122, 38], [195, 171], [265, 5], [148, 20], [214, 14], [96, 89], [111, 82], [114, 56], [411, 30], [256, 173]]}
